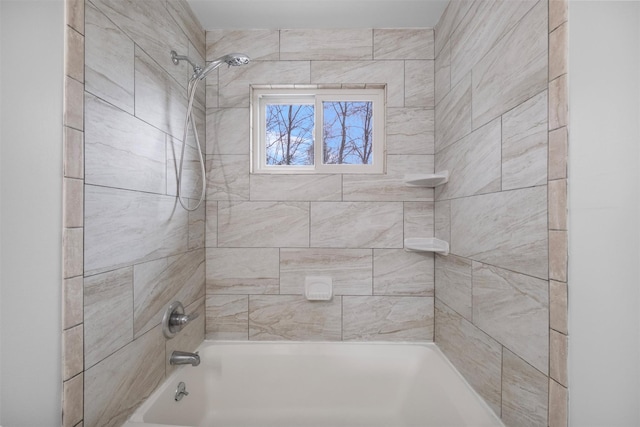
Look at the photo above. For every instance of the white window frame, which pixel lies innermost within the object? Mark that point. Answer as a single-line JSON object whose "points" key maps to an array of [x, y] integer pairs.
{"points": [[261, 95]]}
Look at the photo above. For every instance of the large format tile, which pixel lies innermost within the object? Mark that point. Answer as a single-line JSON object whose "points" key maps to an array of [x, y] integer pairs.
{"points": [[263, 224], [453, 284], [74, 56], [419, 83], [453, 114], [227, 177], [385, 318], [228, 131], [349, 269], [72, 401], [72, 302], [191, 179], [442, 220], [507, 229], [525, 393], [449, 21], [291, 317], [73, 162], [356, 225], [418, 219], [197, 227], [442, 82], [243, 271], [410, 131], [72, 352], [398, 272], [227, 317], [514, 70], [558, 313], [513, 309], [403, 43], [211, 224], [188, 22], [310, 187], [326, 44], [259, 45]]}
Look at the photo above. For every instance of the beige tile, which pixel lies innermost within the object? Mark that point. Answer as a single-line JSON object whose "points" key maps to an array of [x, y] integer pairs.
{"points": [[418, 219], [558, 316], [72, 302], [72, 252], [558, 109], [514, 310], [73, 352], [558, 50], [558, 401], [524, 144], [473, 163], [558, 204], [514, 70], [558, 347], [558, 149], [453, 115], [390, 73], [211, 225], [476, 355], [211, 88], [75, 16], [73, 104], [228, 131], [263, 224], [507, 229], [156, 284], [190, 337], [286, 317], [227, 317], [419, 83], [443, 73], [260, 45], [558, 255], [72, 401], [197, 227], [73, 190], [243, 271], [525, 393], [108, 313], [453, 14], [349, 269], [191, 184], [227, 177], [121, 150], [453, 284], [401, 273], [410, 131], [188, 22], [326, 44], [558, 11], [74, 55], [110, 57], [73, 153], [296, 187], [403, 43], [386, 318], [442, 220], [356, 225], [115, 387]]}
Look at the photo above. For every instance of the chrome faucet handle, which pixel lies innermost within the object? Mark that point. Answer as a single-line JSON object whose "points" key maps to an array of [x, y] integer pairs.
{"points": [[181, 319], [175, 319]]}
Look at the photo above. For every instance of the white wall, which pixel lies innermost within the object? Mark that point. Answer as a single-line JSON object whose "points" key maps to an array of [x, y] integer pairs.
{"points": [[30, 213], [604, 164]]}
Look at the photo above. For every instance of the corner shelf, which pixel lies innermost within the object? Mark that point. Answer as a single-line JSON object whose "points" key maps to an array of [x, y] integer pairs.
{"points": [[426, 244], [427, 180]]}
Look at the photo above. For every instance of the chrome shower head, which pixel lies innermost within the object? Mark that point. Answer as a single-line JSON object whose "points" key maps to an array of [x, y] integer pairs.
{"points": [[235, 59]]}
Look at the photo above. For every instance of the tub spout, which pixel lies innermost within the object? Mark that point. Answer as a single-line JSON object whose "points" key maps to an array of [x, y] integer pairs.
{"points": [[184, 358]]}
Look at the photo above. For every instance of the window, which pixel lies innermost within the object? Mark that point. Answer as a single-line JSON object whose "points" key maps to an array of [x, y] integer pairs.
{"points": [[316, 130]]}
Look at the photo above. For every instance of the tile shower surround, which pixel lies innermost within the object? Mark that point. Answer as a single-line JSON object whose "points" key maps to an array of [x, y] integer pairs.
{"points": [[387, 292]]}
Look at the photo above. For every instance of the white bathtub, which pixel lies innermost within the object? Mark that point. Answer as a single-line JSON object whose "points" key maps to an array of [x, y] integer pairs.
{"points": [[317, 385]]}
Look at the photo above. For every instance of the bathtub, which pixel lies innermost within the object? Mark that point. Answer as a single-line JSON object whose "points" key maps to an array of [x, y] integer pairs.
{"points": [[316, 385]]}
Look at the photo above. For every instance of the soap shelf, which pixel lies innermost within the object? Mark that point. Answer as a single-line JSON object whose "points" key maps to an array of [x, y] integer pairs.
{"points": [[427, 180], [426, 244]]}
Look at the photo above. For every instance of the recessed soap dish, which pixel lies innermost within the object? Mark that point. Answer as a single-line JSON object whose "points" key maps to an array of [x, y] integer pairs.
{"points": [[318, 288]]}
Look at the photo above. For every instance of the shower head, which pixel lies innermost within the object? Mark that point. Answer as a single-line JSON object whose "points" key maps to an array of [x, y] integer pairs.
{"points": [[234, 59]]}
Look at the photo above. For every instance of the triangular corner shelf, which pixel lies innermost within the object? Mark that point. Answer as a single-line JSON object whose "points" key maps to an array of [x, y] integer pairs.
{"points": [[427, 180], [426, 244]]}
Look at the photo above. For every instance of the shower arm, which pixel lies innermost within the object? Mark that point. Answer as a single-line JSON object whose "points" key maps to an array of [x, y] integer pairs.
{"points": [[175, 58]]}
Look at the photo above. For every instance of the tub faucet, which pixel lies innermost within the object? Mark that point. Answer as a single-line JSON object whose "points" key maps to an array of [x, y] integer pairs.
{"points": [[184, 358]]}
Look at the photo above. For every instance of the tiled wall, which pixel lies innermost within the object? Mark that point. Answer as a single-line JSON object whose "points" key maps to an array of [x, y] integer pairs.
{"points": [[502, 206], [141, 251], [265, 233]]}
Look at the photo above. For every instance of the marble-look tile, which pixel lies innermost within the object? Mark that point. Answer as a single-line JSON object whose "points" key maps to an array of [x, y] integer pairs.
{"points": [[558, 149], [72, 252], [108, 313], [197, 227], [121, 150], [243, 271], [126, 227], [73, 103], [401, 273], [390, 73], [387, 318], [72, 302], [74, 55], [442, 220], [115, 387], [514, 70], [558, 109], [292, 317], [453, 284], [73, 153], [410, 131], [558, 344], [442, 82], [109, 61], [235, 82], [73, 193], [227, 317], [260, 45], [211, 224], [525, 393], [558, 51], [418, 219], [390, 186], [349, 269], [187, 20], [356, 225], [507, 229], [558, 11], [476, 355], [156, 284], [474, 163], [75, 15], [453, 14], [211, 88], [296, 187], [558, 204], [558, 313], [73, 352], [558, 247], [227, 177], [524, 144], [191, 184], [190, 337], [403, 43], [160, 100], [558, 400], [228, 131], [482, 27], [514, 310], [326, 44], [419, 83], [453, 114], [72, 401], [263, 224]]}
